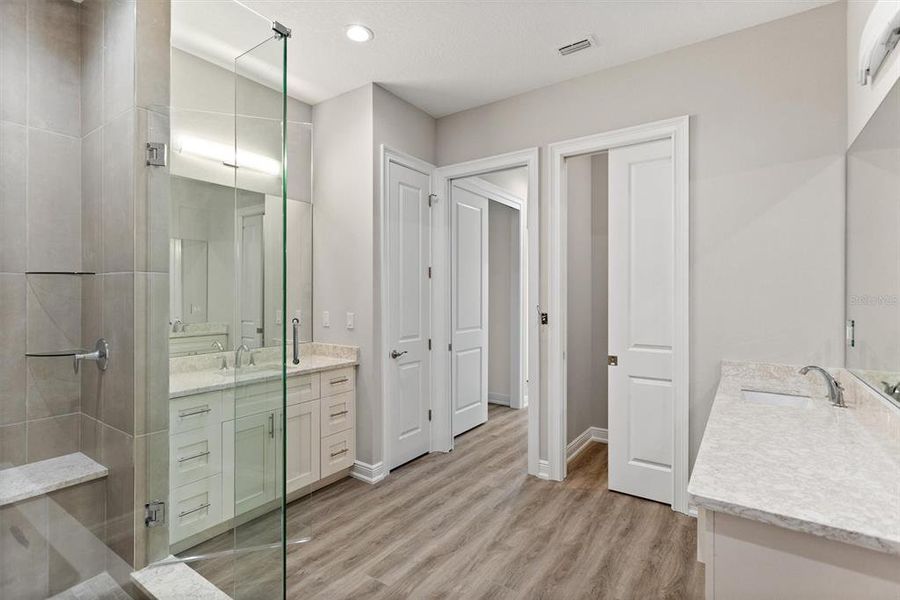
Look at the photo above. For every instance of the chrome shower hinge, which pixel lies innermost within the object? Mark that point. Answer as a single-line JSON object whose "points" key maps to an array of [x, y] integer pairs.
{"points": [[155, 513], [157, 154], [281, 30]]}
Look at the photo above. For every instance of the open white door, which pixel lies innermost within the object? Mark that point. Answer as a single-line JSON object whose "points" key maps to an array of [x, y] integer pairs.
{"points": [[409, 302], [641, 320], [468, 307], [252, 280]]}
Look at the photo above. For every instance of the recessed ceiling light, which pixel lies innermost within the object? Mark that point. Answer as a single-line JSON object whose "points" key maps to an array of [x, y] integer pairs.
{"points": [[359, 33]]}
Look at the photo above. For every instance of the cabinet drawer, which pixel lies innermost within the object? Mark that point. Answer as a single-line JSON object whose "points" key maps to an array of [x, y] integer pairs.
{"points": [[338, 452], [195, 455], [302, 388], [338, 381], [198, 411], [338, 413], [195, 507]]}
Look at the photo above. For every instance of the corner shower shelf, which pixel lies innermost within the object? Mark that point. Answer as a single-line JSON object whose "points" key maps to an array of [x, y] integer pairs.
{"points": [[55, 353], [60, 272], [45, 476]]}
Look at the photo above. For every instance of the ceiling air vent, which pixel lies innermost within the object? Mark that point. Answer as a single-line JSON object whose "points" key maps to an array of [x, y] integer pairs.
{"points": [[578, 46]]}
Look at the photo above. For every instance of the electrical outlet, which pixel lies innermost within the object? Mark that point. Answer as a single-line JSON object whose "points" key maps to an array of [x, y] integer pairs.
{"points": [[351, 320], [326, 319]]}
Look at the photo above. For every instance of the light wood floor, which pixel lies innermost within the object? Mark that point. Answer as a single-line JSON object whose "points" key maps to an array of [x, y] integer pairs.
{"points": [[471, 524]]}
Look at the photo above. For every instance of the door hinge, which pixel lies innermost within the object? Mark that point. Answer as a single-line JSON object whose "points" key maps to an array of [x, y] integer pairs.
{"points": [[851, 333], [429, 272], [429, 414], [429, 343], [157, 154], [450, 347], [432, 200], [154, 513]]}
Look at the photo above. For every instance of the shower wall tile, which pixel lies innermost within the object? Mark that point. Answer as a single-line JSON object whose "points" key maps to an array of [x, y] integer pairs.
{"points": [[76, 531], [91, 437], [117, 396], [12, 195], [24, 548], [151, 199], [91, 195], [54, 202], [52, 437], [117, 234], [91, 331], [117, 455], [151, 364], [53, 388], [53, 312], [54, 66], [91, 65], [153, 24], [151, 482], [12, 445], [13, 64], [12, 348], [118, 58]]}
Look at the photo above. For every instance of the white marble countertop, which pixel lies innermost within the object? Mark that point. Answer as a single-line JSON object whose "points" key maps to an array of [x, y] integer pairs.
{"points": [[172, 579], [185, 382], [45, 476], [832, 472]]}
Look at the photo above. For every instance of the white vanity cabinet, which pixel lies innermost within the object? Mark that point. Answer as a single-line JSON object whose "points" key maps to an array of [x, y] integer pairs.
{"points": [[225, 458]]}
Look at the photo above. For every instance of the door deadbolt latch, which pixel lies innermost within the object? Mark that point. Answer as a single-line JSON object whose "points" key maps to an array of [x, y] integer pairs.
{"points": [[612, 360]]}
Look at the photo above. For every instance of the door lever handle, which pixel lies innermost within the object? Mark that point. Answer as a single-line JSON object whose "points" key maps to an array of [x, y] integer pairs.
{"points": [[395, 354]]}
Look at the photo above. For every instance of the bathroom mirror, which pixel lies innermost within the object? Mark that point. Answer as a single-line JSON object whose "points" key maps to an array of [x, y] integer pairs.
{"points": [[873, 250]]}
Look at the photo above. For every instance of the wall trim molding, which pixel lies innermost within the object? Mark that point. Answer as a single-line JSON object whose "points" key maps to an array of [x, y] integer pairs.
{"points": [[591, 434], [371, 474], [543, 469], [495, 398]]}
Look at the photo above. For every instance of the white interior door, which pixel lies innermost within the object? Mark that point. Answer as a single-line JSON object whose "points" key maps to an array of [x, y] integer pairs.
{"points": [[252, 280], [641, 316], [409, 301], [468, 307]]}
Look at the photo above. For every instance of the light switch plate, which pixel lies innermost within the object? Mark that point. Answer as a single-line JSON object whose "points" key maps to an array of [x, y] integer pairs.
{"points": [[351, 320]]}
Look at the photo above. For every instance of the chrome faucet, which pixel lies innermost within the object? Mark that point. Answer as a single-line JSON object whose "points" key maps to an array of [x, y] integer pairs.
{"points": [[218, 346], [835, 389], [237, 355], [892, 389]]}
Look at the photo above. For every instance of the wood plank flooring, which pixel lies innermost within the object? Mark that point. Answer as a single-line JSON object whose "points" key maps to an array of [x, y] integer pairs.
{"points": [[470, 524]]}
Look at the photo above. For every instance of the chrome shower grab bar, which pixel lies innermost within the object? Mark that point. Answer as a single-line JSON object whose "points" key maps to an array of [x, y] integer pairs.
{"points": [[296, 326], [100, 355]]}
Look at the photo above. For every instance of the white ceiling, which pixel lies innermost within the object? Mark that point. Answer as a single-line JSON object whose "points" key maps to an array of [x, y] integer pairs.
{"points": [[447, 56]]}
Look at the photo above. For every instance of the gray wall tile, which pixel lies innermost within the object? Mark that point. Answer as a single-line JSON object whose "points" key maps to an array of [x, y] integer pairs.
{"points": [[52, 389], [117, 210], [91, 198], [117, 454], [54, 202], [151, 200], [153, 24], [52, 437], [117, 404], [91, 65], [12, 344], [24, 548], [13, 64], [54, 66], [91, 437], [12, 196], [118, 58], [91, 331], [76, 523], [151, 343], [12, 445], [53, 312], [151, 472]]}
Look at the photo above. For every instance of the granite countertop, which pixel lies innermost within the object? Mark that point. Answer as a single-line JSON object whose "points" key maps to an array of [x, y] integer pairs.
{"points": [[831, 472], [195, 375]]}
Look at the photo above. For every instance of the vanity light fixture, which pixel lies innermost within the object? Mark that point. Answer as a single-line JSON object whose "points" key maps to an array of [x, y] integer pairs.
{"points": [[359, 33], [226, 155]]}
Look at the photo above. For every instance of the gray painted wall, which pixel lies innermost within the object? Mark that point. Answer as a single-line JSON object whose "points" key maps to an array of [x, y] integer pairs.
{"points": [[768, 133]]}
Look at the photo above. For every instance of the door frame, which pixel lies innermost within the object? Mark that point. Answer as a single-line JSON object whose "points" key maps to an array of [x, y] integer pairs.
{"points": [[676, 129], [442, 426], [240, 215], [519, 396], [377, 472]]}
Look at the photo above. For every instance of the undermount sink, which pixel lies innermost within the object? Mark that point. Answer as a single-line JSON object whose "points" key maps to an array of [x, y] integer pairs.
{"points": [[775, 399]]}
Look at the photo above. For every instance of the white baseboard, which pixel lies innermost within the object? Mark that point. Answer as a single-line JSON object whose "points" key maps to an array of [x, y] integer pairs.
{"points": [[543, 469], [501, 399], [591, 434], [368, 473]]}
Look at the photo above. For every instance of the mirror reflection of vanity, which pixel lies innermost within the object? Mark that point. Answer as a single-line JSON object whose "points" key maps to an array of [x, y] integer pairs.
{"points": [[873, 250]]}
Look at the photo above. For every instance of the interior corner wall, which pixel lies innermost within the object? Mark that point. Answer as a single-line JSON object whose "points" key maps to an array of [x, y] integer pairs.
{"points": [[768, 133], [862, 101], [503, 266], [600, 289]]}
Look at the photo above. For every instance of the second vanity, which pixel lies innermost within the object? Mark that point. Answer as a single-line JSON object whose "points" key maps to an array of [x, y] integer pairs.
{"points": [[225, 432], [798, 498]]}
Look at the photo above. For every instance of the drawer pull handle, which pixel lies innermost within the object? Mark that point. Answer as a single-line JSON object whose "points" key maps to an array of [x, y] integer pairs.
{"points": [[340, 380], [193, 456], [191, 413], [339, 452], [193, 510], [339, 414]]}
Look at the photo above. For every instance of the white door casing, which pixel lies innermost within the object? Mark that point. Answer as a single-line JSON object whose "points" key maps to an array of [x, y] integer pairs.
{"points": [[408, 374], [468, 307], [251, 280], [641, 320]]}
